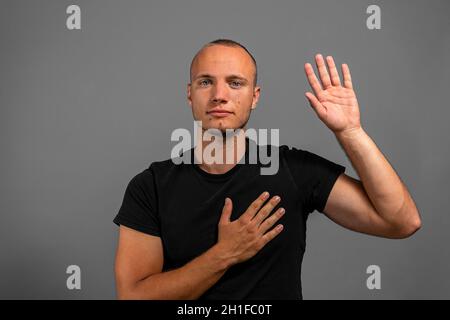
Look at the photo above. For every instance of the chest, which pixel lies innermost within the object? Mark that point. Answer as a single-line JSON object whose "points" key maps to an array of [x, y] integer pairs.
{"points": [[190, 216]]}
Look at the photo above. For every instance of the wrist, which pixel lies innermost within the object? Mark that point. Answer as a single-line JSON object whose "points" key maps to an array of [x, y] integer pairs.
{"points": [[352, 133], [221, 259]]}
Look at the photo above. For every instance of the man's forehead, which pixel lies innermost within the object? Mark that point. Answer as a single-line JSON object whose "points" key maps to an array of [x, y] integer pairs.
{"points": [[217, 55]]}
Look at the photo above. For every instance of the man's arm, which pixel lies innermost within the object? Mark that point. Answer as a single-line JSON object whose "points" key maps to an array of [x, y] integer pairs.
{"points": [[139, 259], [139, 275], [380, 203]]}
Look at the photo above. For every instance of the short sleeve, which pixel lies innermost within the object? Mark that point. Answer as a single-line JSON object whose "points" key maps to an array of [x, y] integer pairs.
{"points": [[139, 208], [314, 175]]}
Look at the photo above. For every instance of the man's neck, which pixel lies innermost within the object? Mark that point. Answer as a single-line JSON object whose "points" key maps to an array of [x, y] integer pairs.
{"points": [[230, 150]]}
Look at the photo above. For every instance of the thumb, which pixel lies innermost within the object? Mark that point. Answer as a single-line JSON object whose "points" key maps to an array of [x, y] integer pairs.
{"points": [[226, 211], [316, 105]]}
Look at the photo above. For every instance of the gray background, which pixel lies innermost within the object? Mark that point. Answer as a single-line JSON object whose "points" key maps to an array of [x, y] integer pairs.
{"points": [[82, 112]]}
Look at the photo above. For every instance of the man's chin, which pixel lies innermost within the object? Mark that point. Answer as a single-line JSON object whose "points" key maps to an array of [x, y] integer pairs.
{"points": [[223, 125], [223, 129], [218, 124]]}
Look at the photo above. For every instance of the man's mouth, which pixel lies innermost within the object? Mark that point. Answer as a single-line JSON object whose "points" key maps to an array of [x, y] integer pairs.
{"points": [[219, 113]]}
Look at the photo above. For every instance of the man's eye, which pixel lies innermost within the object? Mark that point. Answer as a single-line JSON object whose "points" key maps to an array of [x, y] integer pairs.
{"points": [[236, 84], [204, 82]]}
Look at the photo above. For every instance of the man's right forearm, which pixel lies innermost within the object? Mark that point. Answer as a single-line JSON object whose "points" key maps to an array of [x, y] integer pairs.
{"points": [[187, 282]]}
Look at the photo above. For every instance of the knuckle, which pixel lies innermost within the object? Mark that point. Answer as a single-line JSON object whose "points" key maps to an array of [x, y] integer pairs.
{"points": [[255, 205], [263, 212], [252, 228], [266, 224], [271, 235], [243, 221], [273, 219]]}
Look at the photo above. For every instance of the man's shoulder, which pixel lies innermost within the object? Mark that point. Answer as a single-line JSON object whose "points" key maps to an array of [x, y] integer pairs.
{"points": [[162, 164], [153, 175], [290, 148], [161, 168], [288, 151]]}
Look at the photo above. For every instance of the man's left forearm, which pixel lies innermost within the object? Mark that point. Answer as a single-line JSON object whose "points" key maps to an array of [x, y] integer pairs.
{"points": [[383, 186]]}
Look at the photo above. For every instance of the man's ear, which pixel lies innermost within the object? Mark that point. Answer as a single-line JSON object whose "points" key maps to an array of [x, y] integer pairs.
{"points": [[188, 92], [256, 93]]}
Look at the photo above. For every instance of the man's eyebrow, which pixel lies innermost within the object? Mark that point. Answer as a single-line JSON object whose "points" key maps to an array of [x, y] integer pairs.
{"points": [[203, 75], [236, 76], [232, 76]]}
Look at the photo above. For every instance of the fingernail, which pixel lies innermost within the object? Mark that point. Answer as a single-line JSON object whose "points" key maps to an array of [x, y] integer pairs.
{"points": [[277, 198], [265, 195], [282, 211]]}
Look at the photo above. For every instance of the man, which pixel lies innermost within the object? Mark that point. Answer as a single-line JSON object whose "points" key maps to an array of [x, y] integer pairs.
{"points": [[180, 240]]}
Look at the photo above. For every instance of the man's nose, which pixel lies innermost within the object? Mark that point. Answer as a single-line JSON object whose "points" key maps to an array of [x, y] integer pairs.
{"points": [[220, 93]]}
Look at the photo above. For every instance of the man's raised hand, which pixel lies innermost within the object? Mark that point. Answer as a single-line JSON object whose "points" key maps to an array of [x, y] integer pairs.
{"points": [[335, 104]]}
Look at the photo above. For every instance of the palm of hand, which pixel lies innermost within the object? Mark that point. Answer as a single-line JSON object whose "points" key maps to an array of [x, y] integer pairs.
{"points": [[334, 104]]}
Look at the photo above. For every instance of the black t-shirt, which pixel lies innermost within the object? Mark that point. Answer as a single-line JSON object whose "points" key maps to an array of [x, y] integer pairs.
{"points": [[182, 204]]}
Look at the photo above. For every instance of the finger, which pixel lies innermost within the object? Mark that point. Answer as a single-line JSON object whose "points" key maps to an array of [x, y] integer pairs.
{"points": [[226, 211], [266, 210], [254, 207], [323, 72], [316, 105], [269, 222], [272, 234], [312, 79], [347, 76], [335, 80]]}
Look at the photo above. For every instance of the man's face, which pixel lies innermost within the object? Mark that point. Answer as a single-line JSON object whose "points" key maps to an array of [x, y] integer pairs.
{"points": [[222, 90]]}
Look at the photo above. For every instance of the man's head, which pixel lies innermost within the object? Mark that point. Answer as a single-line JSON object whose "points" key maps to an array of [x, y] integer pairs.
{"points": [[223, 88]]}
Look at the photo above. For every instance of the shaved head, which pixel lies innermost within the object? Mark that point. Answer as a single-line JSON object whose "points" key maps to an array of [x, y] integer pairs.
{"points": [[227, 43]]}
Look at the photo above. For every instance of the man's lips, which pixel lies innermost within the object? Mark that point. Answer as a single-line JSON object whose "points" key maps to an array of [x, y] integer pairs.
{"points": [[220, 113]]}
